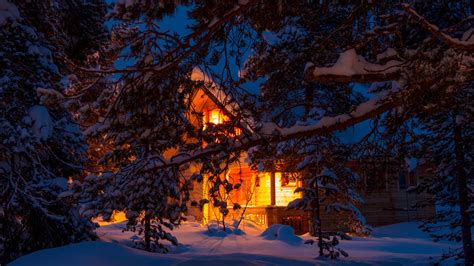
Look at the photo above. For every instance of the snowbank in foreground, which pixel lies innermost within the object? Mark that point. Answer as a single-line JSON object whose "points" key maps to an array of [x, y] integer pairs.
{"points": [[283, 233], [399, 244], [93, 253], [102, 253]]}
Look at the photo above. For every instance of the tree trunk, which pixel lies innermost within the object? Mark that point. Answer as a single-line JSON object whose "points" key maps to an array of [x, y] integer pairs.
{"points": [[223, 222], [147, 217], [463, 198], [309, 96], [147, 233], [318, 220]]}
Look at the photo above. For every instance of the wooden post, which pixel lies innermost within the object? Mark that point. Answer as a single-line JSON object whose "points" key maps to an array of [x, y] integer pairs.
{"points": [[205, 195], [272, 189]]}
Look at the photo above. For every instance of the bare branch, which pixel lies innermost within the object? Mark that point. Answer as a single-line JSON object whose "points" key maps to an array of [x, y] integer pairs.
{"points": [[433, 29]]}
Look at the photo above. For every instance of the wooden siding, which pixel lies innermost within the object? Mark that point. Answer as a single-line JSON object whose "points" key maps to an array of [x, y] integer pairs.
{"points": [[382, 206], [262, 191]]}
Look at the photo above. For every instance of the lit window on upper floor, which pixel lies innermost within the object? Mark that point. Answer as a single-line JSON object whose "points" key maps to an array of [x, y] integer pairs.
{"points": [[217, 117]]}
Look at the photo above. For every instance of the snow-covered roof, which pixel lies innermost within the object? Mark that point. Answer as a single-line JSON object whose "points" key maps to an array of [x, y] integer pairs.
{"points": [[217, 95], [213, 91]]}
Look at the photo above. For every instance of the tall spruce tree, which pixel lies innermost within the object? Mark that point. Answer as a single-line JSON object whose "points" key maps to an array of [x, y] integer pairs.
{"points": [[138, 120], [41, 146], [329, 186], [444, 150]]}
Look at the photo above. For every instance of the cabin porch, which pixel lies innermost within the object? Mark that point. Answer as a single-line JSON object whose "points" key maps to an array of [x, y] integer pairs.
{"points": [[269, 215], [263, 197]]}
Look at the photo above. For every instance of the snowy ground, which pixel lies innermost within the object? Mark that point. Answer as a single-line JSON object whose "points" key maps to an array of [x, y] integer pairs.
{"points": [[399, 244]]}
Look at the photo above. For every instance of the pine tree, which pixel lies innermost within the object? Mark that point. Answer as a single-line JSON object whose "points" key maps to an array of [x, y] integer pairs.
{"points": [[137, 123], [329, 186], [41, 146], [152, 199], [431, 126], [443, 149]]}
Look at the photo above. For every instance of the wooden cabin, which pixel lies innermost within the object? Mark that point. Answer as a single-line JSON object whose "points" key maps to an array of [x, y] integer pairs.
{"points": [[264, 195]]}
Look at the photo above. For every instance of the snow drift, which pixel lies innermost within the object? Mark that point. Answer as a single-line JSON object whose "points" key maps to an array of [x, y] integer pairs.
{"points": [[399, 244], [282, 233]]}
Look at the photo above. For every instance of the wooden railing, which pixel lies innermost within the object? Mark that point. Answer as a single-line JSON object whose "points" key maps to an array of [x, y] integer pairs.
{"points": [[294, 221]]}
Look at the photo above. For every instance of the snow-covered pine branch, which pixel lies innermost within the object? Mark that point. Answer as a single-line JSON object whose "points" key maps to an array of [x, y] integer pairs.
{"points": [[41, 146], [351, 67], [270, 132]]}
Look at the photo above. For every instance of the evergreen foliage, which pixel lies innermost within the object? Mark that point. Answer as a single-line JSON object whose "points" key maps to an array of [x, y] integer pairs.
{"points": [[41, 146], [301, 66]]}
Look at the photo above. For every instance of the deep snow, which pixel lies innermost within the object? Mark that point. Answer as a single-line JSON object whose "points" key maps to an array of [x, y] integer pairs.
{"points": [[399, 244]]}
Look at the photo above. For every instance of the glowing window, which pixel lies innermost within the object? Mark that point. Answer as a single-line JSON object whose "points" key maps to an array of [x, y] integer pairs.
{"points": [[214, 116], [285, 185]]}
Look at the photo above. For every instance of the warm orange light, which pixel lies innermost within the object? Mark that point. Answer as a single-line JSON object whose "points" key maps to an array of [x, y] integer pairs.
{"points": [[117, 217], [215, 117], [284, 191]]}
